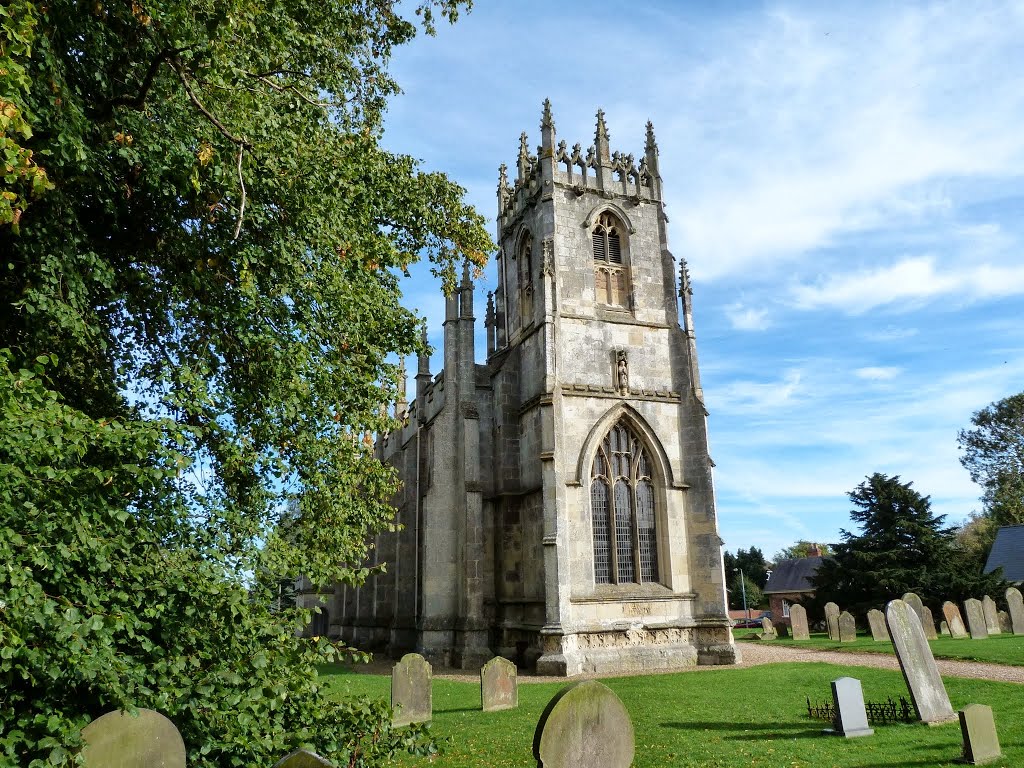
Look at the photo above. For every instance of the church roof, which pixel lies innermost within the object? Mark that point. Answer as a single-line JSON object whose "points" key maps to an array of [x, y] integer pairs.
{"points": [[1008, 552], [793, 575]]}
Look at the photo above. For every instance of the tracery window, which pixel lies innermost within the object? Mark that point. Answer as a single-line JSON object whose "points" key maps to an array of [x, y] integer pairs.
{"points": [[610, 277], [622, 510]]}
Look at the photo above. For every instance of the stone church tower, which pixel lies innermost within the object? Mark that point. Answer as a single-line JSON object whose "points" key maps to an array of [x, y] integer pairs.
{"points": [[557, 506]]}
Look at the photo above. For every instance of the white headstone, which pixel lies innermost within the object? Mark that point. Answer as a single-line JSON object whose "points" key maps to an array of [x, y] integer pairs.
{"points": [[851, 717]]}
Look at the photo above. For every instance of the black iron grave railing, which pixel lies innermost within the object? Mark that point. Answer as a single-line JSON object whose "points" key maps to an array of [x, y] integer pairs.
{"points": [[878, 712]]}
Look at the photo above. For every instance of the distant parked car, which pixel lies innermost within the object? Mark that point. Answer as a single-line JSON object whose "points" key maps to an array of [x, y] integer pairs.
{"points": [[754, 621]]}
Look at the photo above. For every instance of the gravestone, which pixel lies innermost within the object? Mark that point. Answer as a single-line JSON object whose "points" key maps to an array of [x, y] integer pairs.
{"points": [[988, 607], [981, 743], [911, 599], [876, 620], [851, 717], [302, 758], [944, 628], [798, 622], [956, 624], [847, 627], [410, 690], [148, 740], [832, 621], [917, 663], [584, 726], [1005, 627], [975, 618], [498, 685], [768, 631], [1016, 604], [928, 622], [782, 630]]}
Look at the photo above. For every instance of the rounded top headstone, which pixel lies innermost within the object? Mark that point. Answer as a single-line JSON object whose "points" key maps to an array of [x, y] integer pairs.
{"points": [[148, 740], [302, 758], [584, 725]]}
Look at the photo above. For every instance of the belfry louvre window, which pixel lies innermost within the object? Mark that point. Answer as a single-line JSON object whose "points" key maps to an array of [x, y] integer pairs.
{"points": [[610, 281], [622, 511]]}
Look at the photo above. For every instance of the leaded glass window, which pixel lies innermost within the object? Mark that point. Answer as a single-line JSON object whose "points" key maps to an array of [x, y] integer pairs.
{"points": [[622, 505]]}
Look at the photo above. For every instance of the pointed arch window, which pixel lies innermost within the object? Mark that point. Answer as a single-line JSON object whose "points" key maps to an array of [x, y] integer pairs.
{"points": [[610, 277], [623, 510]]}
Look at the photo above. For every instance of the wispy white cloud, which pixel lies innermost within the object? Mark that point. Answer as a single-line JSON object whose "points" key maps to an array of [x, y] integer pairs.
{"points": [[906, 284], [877, 372], [745, 318]]}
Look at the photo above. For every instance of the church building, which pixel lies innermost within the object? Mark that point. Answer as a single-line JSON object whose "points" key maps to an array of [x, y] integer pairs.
{"points": [[557, 505]]}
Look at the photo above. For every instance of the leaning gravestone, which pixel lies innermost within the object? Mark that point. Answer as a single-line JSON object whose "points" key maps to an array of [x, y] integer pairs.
{"points": [[410, 690], [988, 606], [1005, 627], [928, 622], [917, 664], [876, 620], [851, 717], [148, 740], [584, 726], [768, 631], [498, 689], [798, 622], [956, 624], [911, 599], [1016, 604], [981, 743], [302, 758], [975, 618], [847, 627], [832, 621]]}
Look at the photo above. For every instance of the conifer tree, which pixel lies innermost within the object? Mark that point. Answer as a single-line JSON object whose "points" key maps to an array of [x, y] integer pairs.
{"points": [[902, 546]]}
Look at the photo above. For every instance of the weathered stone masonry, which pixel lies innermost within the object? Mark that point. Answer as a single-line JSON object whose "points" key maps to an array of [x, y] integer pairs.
{"points": [[558, 506]]}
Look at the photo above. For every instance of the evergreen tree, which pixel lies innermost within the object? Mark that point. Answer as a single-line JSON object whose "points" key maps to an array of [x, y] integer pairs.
{"points": [[901, 547]]}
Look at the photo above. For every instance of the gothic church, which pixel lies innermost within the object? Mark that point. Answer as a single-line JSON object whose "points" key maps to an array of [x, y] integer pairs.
{"points": [[557, 506]]}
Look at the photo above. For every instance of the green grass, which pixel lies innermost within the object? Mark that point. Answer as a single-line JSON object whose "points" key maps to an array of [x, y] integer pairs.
{"points": [[716, 718], [996, 649]]}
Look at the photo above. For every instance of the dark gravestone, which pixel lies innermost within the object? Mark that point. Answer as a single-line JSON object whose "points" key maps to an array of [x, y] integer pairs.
{"points": [[302, 758], [798, 621], [1016, 605], [847, 627], [410, 690], [1005, 627], [956, 623], [851, 717], [981, 743], [988, 607], [917, 664], [782, 630], [584, 726], [832, 621], [975, 619], [928, 623], [498, 685], [876, 620], [119, 739]]}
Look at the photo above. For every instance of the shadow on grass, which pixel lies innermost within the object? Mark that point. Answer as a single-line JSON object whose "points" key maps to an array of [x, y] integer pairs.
{"points": [[769, 731]]}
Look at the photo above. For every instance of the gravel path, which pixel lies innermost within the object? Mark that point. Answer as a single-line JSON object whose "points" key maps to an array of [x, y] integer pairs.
{"points": [[766, 653], [755, 654]]}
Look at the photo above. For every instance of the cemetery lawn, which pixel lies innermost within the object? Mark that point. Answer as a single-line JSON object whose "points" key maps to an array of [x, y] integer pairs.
{"points": [[716, 718], [995, 649]]}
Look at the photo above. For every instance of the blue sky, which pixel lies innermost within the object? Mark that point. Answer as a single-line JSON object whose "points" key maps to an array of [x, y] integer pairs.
{"points": [[846, 182]]}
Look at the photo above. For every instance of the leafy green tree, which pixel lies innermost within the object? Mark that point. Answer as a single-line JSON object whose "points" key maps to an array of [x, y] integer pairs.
{"points": [[754, 595], [755, 572], [194, 329], [993, 453], [803, 548], [901, 547]]}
